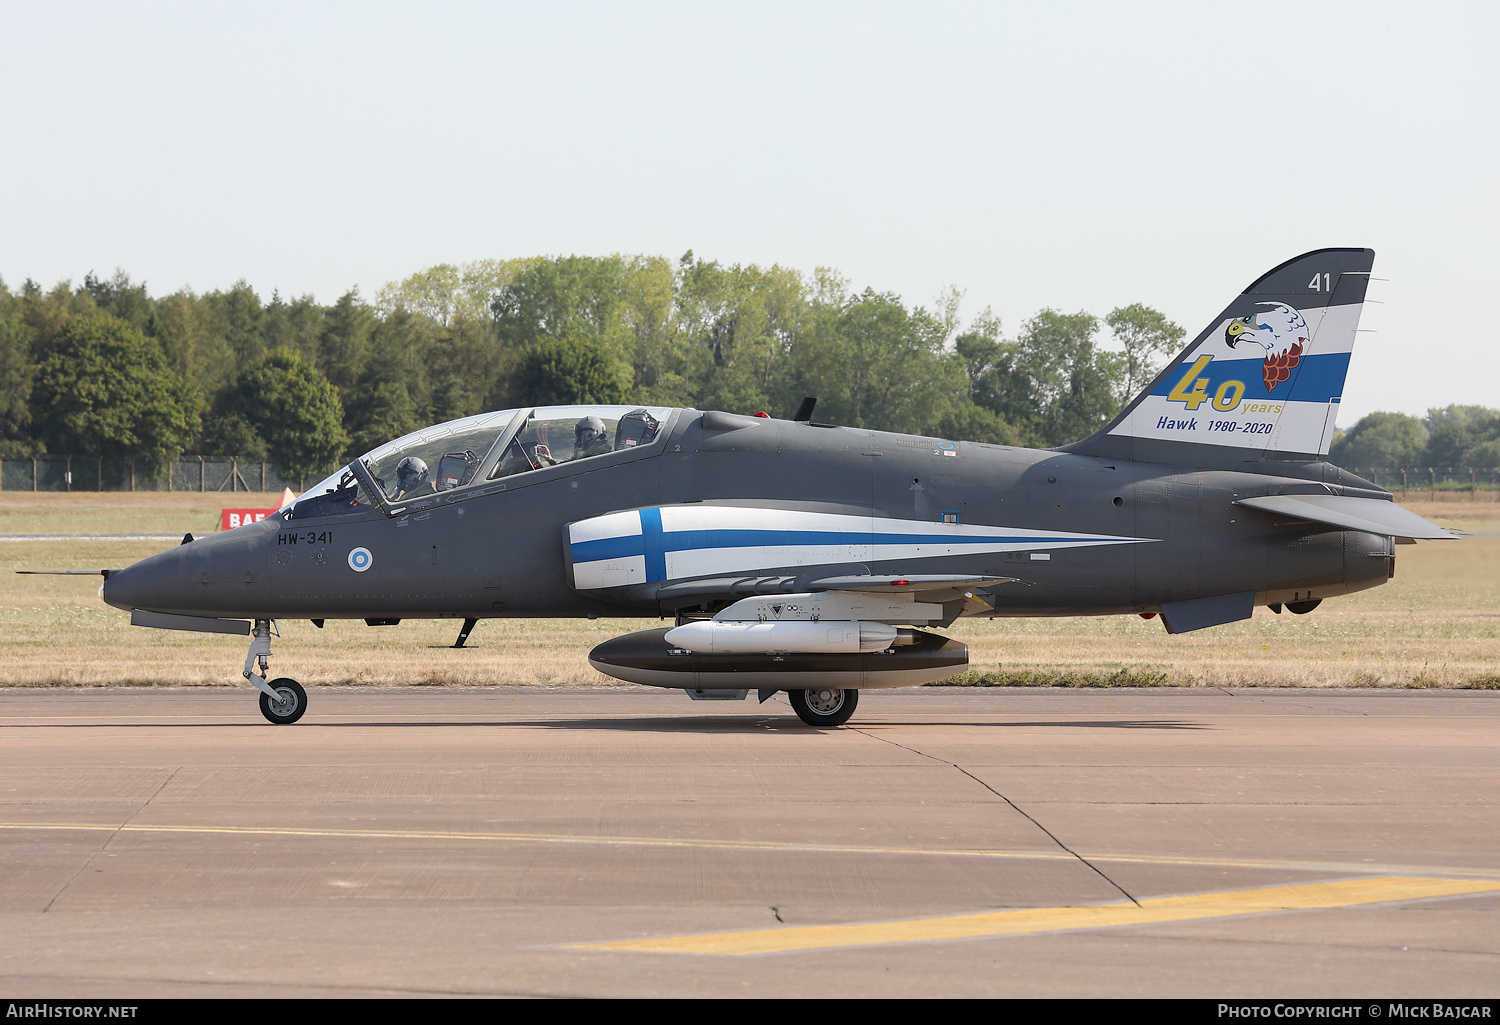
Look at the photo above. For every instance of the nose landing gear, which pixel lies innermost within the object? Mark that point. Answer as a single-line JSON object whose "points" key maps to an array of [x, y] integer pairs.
{"points": [[282, 701], [288, 706]]}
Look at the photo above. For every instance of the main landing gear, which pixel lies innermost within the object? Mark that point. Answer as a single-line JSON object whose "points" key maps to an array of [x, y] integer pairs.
{"points": [[282, 701], [823, 707]]}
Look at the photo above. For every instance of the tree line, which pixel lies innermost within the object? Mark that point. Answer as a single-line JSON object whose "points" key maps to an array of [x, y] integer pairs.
{"points": [[105, 368], [1450, 437]]}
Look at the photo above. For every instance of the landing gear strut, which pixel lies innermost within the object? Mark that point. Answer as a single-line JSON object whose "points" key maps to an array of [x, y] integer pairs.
{"points": [[281, 701], [824, 707]]}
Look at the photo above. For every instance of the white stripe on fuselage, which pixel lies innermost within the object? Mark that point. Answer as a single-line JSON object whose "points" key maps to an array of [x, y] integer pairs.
{"points": [[700, 540]]}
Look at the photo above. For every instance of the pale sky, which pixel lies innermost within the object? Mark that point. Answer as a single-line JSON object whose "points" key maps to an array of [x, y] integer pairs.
{"points": [[1079, 156]]}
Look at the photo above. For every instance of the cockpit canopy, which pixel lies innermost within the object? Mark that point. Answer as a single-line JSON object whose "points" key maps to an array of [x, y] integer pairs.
{"points": [[479, 449]]}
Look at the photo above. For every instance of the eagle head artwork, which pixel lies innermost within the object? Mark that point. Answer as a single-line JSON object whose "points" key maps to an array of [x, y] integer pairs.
{"points": [[1281, 331]]}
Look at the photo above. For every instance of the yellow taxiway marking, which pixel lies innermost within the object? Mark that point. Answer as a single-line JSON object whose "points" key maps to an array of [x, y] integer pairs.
{"points": [[1340, 894], [557, 838], [787, 846]]}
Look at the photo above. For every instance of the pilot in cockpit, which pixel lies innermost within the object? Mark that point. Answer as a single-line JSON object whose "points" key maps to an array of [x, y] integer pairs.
{"points": [[590, 438], [413, 480]]}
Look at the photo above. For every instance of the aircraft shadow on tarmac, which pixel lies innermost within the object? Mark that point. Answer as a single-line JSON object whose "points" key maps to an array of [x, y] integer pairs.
{"points": [[761, 723], [649, 724], [776, 722]]}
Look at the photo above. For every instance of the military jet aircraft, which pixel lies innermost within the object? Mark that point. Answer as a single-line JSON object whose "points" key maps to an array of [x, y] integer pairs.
{"points": [[817, 559]]}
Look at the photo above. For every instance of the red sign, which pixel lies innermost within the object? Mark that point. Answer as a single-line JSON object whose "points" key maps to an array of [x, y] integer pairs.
{"points": [[231, 518]]}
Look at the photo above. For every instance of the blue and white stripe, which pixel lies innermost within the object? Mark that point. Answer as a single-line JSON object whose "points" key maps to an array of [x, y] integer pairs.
{"points": [[683, 542]]}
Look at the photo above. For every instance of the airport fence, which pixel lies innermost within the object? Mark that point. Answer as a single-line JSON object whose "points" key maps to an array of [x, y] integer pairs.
{"points": [[1434, 484], [185, 473]]}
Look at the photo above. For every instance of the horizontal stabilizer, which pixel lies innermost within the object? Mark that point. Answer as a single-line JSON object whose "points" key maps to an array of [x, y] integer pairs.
{"points": [[1370, 515]]}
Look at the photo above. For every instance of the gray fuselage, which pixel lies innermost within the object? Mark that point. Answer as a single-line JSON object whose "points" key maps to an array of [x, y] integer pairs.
{"points": [[500, 549]]}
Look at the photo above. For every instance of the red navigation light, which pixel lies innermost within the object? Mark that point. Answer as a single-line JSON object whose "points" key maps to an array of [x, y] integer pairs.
{"points": [[766, 415], [899, 583]]}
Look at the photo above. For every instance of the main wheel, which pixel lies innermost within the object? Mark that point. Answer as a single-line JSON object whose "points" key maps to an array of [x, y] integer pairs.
{"points": [[825, 706], [289, 706]]}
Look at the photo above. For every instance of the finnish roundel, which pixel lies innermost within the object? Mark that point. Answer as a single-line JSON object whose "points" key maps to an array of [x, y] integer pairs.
{"points": [[360, 559]]}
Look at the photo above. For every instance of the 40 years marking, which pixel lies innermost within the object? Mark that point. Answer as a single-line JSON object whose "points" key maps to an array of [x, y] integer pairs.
{"points": [[307, 537]]}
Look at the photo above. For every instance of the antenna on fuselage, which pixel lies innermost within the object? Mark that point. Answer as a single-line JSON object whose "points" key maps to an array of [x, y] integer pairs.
{"points": [[804, 411]]}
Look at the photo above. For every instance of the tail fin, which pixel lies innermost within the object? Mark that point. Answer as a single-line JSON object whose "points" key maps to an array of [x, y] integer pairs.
{"points": [[1263, 381]]}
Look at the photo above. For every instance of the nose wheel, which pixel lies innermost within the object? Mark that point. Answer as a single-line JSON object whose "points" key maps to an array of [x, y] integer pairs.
{"points": [[824, 707], [282, 701], [288, 705]]}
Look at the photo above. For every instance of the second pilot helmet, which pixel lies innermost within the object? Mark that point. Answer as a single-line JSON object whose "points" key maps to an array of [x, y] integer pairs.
{"points": [[411, 472]]}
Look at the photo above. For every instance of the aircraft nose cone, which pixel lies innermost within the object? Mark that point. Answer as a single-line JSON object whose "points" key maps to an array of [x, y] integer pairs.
{"points": [[144, 585], [219, 576], [120, 588]]}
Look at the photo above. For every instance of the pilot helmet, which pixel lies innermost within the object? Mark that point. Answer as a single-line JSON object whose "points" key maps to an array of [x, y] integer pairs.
{"points": [[588, 430], [411, 472]]}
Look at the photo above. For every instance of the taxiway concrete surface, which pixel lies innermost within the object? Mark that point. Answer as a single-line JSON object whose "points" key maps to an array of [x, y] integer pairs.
{"points": [[629, 842]]}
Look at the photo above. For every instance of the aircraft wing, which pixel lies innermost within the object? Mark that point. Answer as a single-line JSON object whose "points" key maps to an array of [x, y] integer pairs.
{"points": [[929, 587], [958, 594], [926, 586], [1367, 514]]}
